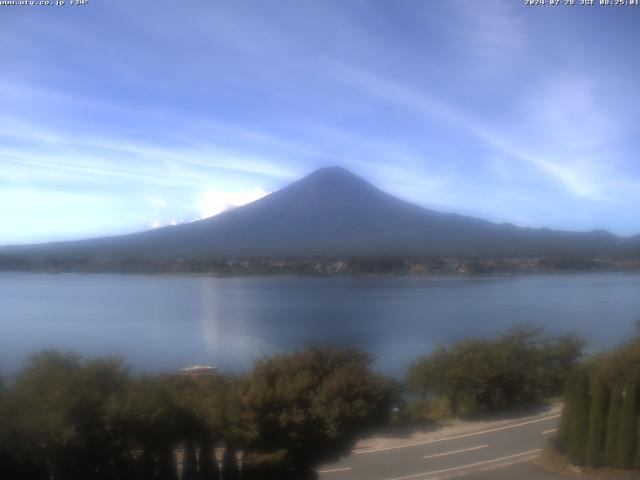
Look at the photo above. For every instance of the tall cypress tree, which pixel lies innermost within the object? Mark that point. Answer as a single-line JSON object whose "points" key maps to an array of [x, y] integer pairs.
{"points": [[565, 420], [613, 424], [189, 462], [579, 420], [597, 423], [230, 469], [207, 464], [167, 469], [628, 427]]}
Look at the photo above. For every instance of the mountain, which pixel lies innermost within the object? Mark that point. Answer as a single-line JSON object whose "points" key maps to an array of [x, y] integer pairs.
{"points": [[334, 212]]}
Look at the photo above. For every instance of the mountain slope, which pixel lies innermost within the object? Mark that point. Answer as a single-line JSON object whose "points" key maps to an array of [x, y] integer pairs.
{"points": [[333, 212]]}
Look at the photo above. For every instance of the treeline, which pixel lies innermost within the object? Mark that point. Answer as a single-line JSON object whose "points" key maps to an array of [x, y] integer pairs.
{"points": [[520, 366], [361, 264], [601, 418], [65, 418], [382, 264]]}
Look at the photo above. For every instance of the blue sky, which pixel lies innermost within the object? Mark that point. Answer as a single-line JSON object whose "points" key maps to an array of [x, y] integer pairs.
{"points": [[120, 116]]}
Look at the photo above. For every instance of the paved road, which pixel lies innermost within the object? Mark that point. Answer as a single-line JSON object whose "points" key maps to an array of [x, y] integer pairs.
{"points": [[505, 452]]}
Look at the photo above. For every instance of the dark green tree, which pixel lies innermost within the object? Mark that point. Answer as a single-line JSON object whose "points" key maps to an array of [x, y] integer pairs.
{"points": [[230, 468], [628, 436], [207, 464], [560, 357], [189, 461], [569, 399], [154, 424], [520, 366], [579, 420], [312, 404], [460, 374], [267, 466], [61, 409], [207, 406], [597, 423], [613, 424]]}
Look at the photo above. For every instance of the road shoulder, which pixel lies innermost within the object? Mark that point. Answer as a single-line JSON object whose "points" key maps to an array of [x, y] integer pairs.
{"points": [[449, 428]]}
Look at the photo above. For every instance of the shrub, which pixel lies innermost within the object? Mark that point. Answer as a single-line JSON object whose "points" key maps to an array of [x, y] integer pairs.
{"points": [[521, 366], [312, 404]]}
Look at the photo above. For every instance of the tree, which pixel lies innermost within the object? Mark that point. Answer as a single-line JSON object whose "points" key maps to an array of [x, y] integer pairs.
{"points": [[313, 404], [636, 463], [153, 424], [61, 414], [597, 423], [523, 376], [18, 458], [207, 464], [189, 461], [608, 406], [230, 469], [520, 366], [628, 427], [564, 429], [579, 427], [267, 466], [207, 404], [560, 357], [613, 424]]}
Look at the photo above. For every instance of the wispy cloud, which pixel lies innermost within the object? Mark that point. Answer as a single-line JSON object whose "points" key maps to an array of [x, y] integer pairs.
{"points": [[490, 39], [565, 136], [497, 111]]}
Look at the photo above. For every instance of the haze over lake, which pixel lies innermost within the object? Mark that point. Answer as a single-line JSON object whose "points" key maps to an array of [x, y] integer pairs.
{"points": [[168, 322]]}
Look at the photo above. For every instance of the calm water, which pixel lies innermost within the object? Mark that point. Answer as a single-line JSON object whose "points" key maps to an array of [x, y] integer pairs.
{"points": [[166, 322]]}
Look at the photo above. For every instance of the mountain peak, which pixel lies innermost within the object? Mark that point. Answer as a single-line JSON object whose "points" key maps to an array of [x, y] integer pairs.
{"points": [[334, 170], [333, 173], [332, 179], [332, 211]]}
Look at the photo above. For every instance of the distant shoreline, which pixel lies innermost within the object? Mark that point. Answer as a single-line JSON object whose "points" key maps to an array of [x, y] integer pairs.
{"points": [[325, 267]]}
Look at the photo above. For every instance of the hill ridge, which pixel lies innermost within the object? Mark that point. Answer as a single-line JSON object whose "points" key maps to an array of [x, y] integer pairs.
{"points": [[332, 211]]}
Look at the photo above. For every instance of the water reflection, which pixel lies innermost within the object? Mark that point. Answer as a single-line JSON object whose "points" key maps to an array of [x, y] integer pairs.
{"points": [[165, 322], [231, 335]]}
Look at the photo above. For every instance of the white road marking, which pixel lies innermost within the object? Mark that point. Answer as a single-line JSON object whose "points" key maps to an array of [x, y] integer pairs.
{"points": [[333, 470], [550, 431], [455, 437], [456, 451], [486, 468], [469, 465]]}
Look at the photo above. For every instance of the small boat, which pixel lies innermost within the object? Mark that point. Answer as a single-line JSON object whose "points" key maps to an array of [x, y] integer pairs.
{"points": [[199, 370]]}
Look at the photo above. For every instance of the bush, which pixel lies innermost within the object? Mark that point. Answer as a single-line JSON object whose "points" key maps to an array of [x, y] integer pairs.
{"points": [[61, 411], [69, 418], [420, 411], [519, 367], [267, 466], [313, 404]]}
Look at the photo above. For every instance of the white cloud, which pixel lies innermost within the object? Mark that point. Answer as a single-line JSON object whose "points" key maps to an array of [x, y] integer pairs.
{"points": [[214, 202], [153, 224], [52, 153]]}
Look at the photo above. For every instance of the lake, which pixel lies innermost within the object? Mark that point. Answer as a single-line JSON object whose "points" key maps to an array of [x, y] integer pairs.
{"points": [[167, 322]]}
